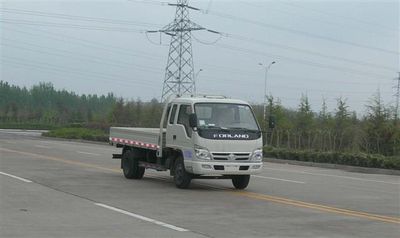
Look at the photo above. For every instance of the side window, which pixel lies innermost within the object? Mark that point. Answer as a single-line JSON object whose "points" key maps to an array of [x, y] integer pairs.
{"points": [[172, 115], [183, 118]]}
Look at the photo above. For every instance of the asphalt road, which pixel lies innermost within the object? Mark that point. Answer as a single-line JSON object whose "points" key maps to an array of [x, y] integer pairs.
{"points": [[54, 188]]}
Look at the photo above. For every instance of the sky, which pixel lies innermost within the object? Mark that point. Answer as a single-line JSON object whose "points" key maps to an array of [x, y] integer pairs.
{"points": [[322, 49]]}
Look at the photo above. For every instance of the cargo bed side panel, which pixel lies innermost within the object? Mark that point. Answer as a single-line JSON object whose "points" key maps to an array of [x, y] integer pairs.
{"points": [[134, 135]]}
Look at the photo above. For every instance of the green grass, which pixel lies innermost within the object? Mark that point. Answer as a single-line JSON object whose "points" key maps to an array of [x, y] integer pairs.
{"points": [[78, 133], [353, 159]]}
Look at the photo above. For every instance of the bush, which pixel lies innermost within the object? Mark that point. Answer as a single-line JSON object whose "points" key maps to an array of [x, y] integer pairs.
{"points": [[354, 159], [78, 133]]}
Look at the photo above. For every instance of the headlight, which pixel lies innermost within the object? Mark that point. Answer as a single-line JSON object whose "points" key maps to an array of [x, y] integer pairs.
{"points": [[202, 153], [257, 155]]}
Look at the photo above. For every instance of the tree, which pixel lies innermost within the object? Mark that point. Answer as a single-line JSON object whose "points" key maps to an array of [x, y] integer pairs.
{"points": [[380, 132], [342, 123], [304, 123]]}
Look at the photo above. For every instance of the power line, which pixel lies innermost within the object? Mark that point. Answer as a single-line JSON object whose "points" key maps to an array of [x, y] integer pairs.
{"points": [[330, 14], [106, 76], [72, 26], [114, 63], [86, 43], [207, 43], [289, 30], [298, 32], [319, 20], [92, 44], [234, 70], [78, 18], [277, 75], [262, 42], [38, 66], [237, 37], [122, 50], [301, 61], [242, 82], [121, 64], [53, 70]]}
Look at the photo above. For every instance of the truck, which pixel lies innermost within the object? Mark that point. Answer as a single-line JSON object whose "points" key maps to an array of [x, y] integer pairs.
{"points": [[200, 137]]}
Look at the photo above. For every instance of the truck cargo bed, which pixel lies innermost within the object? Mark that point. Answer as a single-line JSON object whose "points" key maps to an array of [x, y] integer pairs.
{"points": [[135, 136]]}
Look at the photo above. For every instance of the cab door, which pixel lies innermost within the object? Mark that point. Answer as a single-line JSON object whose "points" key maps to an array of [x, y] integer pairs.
{"points": [[183, 131], [179, 133], [170, 134]]}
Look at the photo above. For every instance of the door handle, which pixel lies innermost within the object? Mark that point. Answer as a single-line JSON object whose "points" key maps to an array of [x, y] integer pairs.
{"points": [[174, 137]]}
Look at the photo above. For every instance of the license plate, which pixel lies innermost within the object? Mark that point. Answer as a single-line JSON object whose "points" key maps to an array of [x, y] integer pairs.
{"points": [[231, 167]]}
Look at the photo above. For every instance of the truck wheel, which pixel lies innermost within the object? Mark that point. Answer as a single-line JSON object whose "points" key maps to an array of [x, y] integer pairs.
{"points": [[130, 165], [240, 181], [181, 177]]}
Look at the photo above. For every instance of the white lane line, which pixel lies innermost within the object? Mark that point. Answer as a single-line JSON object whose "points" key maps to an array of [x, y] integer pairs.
{"points": [[9, 142], [16, 177], [160, 223], [43, 146], [87, 153], [47, 142], [334, 176], [279, 179]]}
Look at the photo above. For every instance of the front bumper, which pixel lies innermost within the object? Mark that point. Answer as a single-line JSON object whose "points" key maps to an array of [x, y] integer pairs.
{"points": [[223, 168]]}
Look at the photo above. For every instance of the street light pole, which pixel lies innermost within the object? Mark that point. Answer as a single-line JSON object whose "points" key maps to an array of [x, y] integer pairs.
{"points": [[195, 80], [266, 96]]}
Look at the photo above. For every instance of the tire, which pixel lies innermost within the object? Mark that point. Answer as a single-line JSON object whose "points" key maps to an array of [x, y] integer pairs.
{"points": [[130, 165], [182, 178], [240, 181]]}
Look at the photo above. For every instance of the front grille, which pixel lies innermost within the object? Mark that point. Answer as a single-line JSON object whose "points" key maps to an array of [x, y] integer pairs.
{"points": [[231, 156]]}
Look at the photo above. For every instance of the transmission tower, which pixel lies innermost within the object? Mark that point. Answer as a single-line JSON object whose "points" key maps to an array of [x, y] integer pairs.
{"points": [[179, 72]]}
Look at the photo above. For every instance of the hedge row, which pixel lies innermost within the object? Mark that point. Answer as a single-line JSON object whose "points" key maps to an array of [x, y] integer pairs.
{"points": [[27, 126], [78, 133], [353, 159]]}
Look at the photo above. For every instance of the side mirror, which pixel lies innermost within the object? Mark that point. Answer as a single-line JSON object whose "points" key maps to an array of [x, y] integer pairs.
{"points": [[193, 120]]}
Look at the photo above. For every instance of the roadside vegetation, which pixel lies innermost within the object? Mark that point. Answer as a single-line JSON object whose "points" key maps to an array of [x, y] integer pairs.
{"points": [[78, 133], [337, 136], [344, 158]]}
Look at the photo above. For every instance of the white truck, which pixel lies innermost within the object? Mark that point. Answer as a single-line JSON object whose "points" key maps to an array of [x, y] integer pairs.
{"points": [[199, 137]]}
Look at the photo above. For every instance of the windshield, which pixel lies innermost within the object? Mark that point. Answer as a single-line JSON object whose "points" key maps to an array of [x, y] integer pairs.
{"points": [[225, 116]]}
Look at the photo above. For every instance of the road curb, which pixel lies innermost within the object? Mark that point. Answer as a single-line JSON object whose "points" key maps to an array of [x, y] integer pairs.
{"points": [[335, 166]]}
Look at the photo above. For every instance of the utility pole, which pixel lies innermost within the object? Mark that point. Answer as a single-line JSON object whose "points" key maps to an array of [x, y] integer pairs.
{"points": [[397, 95], [396, 114], [179, 72]]}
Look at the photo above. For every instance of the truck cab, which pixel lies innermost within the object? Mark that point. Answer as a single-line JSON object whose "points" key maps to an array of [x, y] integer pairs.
{"points": [[224, 136], [203, 137]]}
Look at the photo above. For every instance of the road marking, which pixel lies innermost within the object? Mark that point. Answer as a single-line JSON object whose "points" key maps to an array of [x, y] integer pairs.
{"points": [[334, 176], [87, 153], [72, 143], [43, 146], [257, 196], [313, 206], [9, 142], [279, 179], [16, 177], [63, 160], [143, 218]]}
